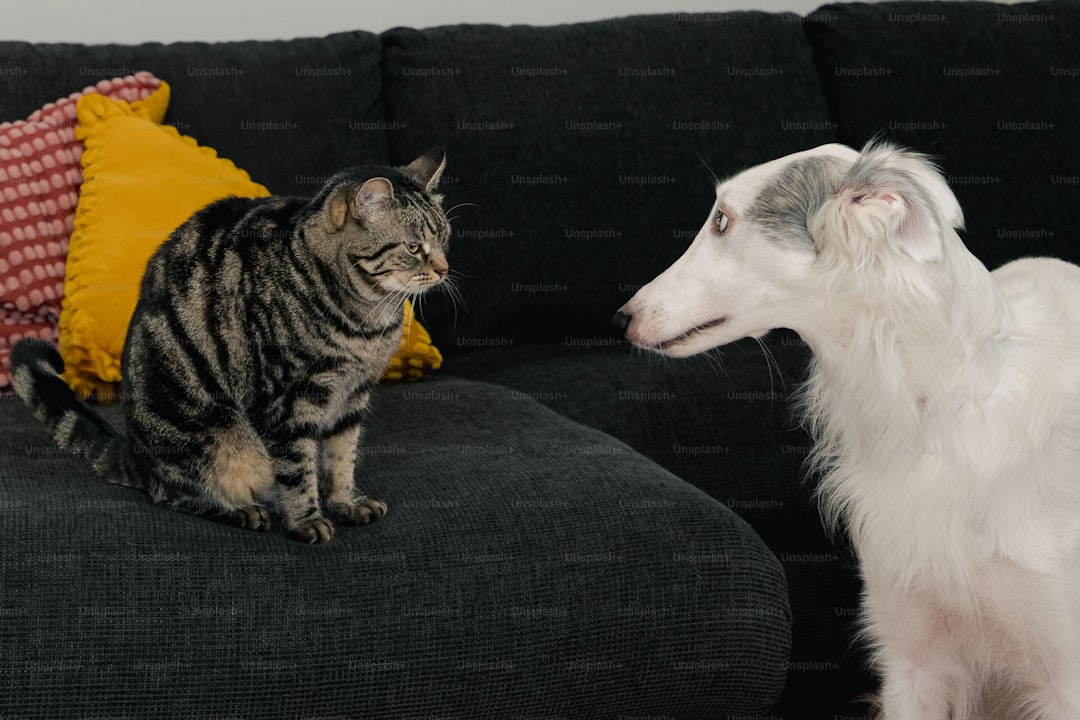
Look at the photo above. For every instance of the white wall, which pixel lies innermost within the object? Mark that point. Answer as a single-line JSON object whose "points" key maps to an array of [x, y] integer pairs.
{"points": [[133, 21]]}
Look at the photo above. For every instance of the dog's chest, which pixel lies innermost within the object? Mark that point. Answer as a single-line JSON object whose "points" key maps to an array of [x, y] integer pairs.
{"points": [[942, 517]]}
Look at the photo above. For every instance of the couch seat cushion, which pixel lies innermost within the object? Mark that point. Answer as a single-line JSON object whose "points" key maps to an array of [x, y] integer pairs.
{"points": [[528, 566], [725, 423]]}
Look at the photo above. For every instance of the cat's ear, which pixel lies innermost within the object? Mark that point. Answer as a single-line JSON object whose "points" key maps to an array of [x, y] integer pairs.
{"points": [[359, 202], [426, 170], [376, 193]]}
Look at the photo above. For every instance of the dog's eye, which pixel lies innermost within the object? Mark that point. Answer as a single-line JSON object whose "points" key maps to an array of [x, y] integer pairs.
{"points": [[721, 222]]}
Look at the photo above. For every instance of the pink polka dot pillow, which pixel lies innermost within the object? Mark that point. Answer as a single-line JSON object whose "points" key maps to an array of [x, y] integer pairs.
{"points": [[40, 175]]}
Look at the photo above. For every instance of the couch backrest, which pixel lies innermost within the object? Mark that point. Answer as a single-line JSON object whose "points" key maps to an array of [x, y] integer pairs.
{"points": [[580, 151], [289, 112], [584, 148], [991, 90]]}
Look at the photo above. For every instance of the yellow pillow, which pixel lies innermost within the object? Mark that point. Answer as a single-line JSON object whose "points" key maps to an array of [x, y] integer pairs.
{"points": [[416, 355], [142, 180]]}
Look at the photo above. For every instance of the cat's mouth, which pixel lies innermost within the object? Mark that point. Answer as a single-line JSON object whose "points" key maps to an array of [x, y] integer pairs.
{"points": [[425, 282], [394, 282]]}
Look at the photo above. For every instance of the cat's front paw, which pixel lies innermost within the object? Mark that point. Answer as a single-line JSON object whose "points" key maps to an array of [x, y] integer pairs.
{"points": [[316, 530], [360, 511]]}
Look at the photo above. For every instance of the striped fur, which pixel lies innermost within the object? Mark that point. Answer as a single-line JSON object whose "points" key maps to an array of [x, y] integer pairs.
{"points": [[261, 326], [36, 367]]}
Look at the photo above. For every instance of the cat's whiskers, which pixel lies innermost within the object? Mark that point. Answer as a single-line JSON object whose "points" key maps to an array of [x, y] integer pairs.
{"points": [[451, 219], [449, 286], [459, 205], [395, 297], [416, 296]]}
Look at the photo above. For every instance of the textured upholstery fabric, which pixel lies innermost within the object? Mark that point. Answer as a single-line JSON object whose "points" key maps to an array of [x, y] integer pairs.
{"points": [[585, 147], [714, 421], [724, 423], [519, 572], [989, 90], [289, 112]]}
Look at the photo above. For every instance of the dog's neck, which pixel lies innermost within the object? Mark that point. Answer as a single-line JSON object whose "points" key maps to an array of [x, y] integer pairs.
{"points": [[885, 353], [912, 331]]}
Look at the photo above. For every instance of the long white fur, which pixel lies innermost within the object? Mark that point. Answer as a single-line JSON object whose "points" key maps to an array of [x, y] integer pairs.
{"points": [[945, 403]]}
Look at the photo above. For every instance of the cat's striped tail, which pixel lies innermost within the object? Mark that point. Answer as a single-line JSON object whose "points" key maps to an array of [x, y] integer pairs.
{"points": [[35, 374]]}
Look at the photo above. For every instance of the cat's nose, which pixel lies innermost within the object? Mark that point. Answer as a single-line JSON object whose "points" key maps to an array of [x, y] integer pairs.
{"points": [[621, 320], [442, 270]]}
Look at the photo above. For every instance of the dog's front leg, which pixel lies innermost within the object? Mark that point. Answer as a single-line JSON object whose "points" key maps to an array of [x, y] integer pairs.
{"points": [[1056, 692], [916, 655], [912, 691]]}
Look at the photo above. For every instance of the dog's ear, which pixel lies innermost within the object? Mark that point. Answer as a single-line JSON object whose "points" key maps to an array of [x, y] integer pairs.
{"points": [[894, 196]]}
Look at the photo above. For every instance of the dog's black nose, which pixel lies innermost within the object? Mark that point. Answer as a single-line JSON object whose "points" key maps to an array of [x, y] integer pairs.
{"points": [[621, 320]]}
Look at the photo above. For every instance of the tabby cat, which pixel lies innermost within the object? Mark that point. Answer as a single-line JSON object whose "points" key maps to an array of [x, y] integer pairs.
{"points": [[261, 327]]}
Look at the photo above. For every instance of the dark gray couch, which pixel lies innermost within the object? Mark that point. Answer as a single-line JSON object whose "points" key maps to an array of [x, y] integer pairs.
{"points": [[576, 530]]}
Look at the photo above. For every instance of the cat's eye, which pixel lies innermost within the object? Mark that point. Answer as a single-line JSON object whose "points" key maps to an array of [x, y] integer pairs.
{"points": [[412, 246], [721, 222]]}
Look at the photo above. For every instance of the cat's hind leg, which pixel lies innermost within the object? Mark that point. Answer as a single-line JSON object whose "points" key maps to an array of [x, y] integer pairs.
{"points": [[250, 517], [240, 476], [222, 473]]}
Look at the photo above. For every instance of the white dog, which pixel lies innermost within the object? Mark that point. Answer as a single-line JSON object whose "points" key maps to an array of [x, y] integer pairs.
{"points": [[945, 403]]}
